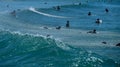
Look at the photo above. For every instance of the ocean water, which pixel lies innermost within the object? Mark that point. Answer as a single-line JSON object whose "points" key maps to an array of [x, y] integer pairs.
{"points": [[29, 37]]}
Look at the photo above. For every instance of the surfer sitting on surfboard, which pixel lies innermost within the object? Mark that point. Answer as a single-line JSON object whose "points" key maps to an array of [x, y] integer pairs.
{"points": [[67, 24], [106, 10], [93, 31], [89, 13], [98, 21]]}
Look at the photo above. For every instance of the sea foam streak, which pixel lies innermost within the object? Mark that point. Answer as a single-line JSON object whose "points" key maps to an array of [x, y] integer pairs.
{"points": [[45, 14]]}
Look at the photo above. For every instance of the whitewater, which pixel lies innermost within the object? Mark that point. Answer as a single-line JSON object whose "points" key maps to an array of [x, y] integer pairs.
{"points": [[29, 38]]}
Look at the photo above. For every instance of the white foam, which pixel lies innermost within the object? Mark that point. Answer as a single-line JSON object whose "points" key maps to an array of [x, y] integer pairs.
{"points": [[94, 59], [61, 44], [45, 14], [100, 21]]}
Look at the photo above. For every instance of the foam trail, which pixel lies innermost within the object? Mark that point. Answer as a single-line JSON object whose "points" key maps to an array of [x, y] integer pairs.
{"points": [[45, 14]]}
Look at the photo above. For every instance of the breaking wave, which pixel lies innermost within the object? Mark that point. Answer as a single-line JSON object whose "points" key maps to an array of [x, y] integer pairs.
{"points": [[30, 50]]}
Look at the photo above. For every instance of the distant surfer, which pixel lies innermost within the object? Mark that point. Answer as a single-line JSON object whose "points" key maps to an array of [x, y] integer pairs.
{"points": [[58, 8], [104, 42], [18, 9], [48, 35], [59, 27], [76, 3], [13, 13], [7, 6], [93, 31], [45, 3], [98, 21], [45, 27], [118, 44], [89, 13], [68, 24], [106, 10]]}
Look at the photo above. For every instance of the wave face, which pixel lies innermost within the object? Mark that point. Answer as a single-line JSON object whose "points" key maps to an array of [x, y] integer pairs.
{"points": [[65, 47], [18, 50]]}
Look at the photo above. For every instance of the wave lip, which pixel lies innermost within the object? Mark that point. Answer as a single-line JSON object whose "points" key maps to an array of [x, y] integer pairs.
{"points": [[45, 14]]}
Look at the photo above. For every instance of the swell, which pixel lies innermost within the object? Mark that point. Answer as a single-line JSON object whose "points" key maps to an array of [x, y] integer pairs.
{"points": [[64, 8], [30, 50], [76, 13], [53, 16], [72, 12]]}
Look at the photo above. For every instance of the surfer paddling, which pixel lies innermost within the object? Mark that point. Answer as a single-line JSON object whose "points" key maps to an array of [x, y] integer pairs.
{"points": [[118, 44], [59, 27], [45, 27], [104, 42], [93, 31]]}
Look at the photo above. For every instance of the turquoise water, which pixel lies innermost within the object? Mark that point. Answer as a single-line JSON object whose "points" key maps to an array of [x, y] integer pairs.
{"points": [[24, 42]]}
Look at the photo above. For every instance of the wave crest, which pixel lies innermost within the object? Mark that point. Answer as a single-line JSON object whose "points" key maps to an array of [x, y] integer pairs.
{"points": [[45, 14], [27, 50]]}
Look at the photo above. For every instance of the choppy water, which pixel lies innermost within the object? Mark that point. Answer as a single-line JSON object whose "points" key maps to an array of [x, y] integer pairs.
{"points": [[24, 42]]}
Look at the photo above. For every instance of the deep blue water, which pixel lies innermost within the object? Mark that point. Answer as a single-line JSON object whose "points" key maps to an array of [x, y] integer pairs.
{"points": [[24, 42]]}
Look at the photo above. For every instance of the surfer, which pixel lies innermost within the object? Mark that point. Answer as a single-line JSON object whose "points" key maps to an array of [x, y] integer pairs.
{"points": [[13, 13], [58, 8], [106, 10], [45, 27], [48, 35], [98, 21], [45, 3], [118, 44], [89, 13], [104, 42], [67, 24], [59, 27], [18, 9], [93, 31], [76, 3], [7, 6]]}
